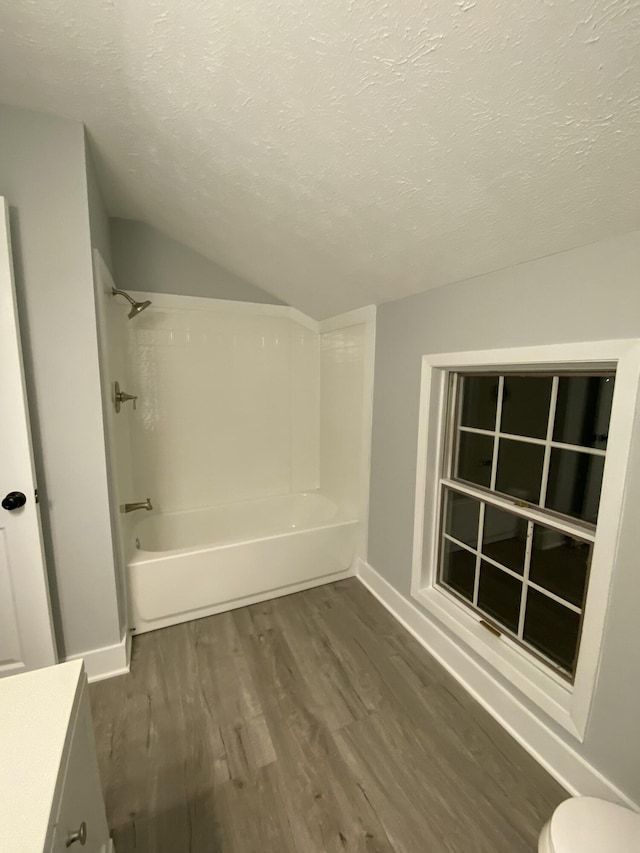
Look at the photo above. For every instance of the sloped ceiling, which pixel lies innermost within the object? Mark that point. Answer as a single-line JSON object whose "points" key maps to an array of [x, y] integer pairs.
{"points": [[343, 152]]}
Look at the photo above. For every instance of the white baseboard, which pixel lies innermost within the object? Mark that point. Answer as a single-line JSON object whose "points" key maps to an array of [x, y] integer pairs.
{"points": [[108, 661], [558, 757]]}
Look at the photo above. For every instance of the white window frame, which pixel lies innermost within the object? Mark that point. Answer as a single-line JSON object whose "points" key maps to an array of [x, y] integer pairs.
{"points": [[567, 704]]}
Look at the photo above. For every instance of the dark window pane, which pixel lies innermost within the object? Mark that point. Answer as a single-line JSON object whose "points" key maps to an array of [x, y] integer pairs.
{"points": [[504, 538], [461, 518], [583, 410], [575, 481], [552, 629], [479, 400], [458, 569], [525, 405], [520, 469], [475, 454], [499, 595], [559, 563]]}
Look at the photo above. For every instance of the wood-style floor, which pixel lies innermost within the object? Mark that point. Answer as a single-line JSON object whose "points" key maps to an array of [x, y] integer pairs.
{"points": [[313, 723]]}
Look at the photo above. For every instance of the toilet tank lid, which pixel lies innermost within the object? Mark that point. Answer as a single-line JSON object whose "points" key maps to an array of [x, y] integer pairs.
{"points": [[590, 825]]}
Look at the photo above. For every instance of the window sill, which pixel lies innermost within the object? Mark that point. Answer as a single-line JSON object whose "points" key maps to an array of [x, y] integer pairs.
{"points": [[550, 692]]}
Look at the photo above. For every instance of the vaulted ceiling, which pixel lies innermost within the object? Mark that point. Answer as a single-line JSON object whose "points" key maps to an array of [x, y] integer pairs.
{"points": [[343, 152]]}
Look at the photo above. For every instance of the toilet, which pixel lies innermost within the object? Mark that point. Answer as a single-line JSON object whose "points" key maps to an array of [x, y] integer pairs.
{"points": [[590, 825]]}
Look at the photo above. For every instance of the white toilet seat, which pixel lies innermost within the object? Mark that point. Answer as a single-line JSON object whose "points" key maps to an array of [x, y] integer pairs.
{"points": [[590, 825]]}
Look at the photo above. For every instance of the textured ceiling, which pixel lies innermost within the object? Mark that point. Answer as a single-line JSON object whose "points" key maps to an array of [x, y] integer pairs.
{"points": [[342, 152]]}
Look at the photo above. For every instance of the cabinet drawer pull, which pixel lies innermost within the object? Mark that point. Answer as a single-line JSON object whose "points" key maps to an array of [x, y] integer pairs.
{"points": [[79, 835]]}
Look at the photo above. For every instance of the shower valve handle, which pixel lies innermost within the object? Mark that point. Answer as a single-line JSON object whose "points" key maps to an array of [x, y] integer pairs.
{"points": [[121, 397]]}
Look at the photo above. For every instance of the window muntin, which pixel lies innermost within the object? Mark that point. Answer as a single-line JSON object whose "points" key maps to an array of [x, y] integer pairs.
{"points": [[546, 444], [594, 391], [495, 566], [540, 460]]}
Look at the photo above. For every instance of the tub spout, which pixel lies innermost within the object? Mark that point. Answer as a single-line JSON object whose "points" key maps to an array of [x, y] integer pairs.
{"points": [[140, 505]]}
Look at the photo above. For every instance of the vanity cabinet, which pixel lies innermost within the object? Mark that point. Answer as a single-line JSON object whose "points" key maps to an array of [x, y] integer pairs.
{"points": [[50, 792]]}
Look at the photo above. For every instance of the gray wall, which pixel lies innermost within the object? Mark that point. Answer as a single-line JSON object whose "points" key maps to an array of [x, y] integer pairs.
{"points": [[146, 259], [101, 240], [99, 223], [591, 293], [43, 176]]}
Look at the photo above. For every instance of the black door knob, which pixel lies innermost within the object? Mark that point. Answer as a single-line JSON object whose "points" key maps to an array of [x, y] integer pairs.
{"points": [[14, 500]]}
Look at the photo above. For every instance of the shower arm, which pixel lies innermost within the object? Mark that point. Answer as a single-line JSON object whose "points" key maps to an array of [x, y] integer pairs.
{"points": [[116, 292], [136, 307]]}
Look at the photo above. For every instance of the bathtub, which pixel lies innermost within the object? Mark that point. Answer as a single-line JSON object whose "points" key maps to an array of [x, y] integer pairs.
{"points": [[196, 563]]}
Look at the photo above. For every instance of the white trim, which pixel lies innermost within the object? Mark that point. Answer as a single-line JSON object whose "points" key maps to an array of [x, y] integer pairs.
{"points": [[546, 465], [567, 705], [524, 578], [530, 512], [587, 354], [108, 661], [558, 757], [529, 439], [496, 437]]}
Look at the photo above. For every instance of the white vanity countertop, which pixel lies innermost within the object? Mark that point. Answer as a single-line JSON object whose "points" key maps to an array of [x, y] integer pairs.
{"points": [[35, 712]]}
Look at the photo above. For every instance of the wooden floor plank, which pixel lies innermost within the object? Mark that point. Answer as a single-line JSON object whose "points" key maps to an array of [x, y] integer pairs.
{"points": [[328, 684], [325, 807], [312, 723]]}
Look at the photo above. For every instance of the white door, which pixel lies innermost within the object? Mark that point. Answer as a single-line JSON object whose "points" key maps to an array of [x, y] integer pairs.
{"points": [[26, 633]]}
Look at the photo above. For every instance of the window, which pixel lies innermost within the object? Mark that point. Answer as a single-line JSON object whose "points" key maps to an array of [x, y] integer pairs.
{"points": [[519, 497], [521, 468]]}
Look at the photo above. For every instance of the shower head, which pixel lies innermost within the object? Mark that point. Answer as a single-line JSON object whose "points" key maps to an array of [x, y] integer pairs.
{"points": [[136, 307]]}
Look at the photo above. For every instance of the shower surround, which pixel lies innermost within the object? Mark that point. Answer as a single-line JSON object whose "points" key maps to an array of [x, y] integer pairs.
{"points": [[229, 402], [251, 437]]}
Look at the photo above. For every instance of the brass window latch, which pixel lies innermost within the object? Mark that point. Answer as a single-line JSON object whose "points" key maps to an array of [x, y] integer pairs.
{"points": [[490, 628]]}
